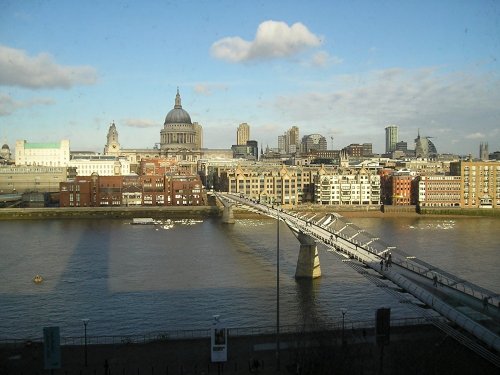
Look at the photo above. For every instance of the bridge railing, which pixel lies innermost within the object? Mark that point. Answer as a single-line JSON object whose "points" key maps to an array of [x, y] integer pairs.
{"points": [[359, 238]]}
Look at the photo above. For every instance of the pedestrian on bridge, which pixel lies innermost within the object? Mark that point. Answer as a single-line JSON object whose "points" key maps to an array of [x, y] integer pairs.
{"points": [[381, 265]]}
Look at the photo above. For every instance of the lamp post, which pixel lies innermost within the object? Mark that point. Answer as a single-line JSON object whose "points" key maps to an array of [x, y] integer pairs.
{"points": [[278, 288], [344, 311], [85, 322]]}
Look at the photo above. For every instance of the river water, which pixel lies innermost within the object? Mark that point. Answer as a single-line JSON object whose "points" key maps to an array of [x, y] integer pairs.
{"points": [[135, 279]]}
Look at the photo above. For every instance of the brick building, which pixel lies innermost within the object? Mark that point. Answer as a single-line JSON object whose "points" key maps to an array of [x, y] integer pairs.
{"points": [[439, 191], [149, 190], [480, 183]]}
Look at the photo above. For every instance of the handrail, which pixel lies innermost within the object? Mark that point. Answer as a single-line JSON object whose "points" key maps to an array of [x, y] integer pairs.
{"points": [[205, 333]]}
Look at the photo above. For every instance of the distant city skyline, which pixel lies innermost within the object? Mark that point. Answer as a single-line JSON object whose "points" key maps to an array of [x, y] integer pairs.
{"points": [[343, 70]]}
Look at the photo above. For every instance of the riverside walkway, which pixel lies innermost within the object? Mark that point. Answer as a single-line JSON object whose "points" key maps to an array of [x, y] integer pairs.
{"points": [[475, 310]]}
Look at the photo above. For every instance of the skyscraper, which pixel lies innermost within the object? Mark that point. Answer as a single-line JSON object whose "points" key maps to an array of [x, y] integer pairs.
{"points": [[243, 134], [292, 140], [483, 151], [391, 138]]}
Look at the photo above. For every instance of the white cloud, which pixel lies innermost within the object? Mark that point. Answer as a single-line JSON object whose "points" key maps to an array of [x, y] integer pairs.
{"points": [[477, 135], [140, 123], [322, 59], [17, 68], [273, 39], [208, 88], [8, 105], [464, 105]]}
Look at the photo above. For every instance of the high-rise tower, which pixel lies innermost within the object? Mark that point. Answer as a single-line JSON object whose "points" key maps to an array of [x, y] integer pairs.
{"points": [[483, 151], [391, 138], [243, 134]]}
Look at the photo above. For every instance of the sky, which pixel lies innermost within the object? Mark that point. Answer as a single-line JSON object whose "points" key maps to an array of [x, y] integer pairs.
{"points": [[342, 69]]}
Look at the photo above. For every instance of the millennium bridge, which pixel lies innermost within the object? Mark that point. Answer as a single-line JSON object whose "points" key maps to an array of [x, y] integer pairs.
{"points": [[466, 312]]}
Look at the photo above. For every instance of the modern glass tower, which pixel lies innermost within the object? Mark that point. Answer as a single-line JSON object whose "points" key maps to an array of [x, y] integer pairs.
{"points": [[391, 138]]}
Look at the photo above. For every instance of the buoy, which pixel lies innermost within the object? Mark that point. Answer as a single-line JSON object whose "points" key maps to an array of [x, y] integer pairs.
{"points": [[37, 279]]}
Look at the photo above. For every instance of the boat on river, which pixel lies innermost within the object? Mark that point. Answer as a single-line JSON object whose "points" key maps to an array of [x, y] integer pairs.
{"points": [[142, 221]]}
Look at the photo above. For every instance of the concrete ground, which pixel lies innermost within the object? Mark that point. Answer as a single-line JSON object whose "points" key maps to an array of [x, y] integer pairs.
{"points": [[412, 350]]}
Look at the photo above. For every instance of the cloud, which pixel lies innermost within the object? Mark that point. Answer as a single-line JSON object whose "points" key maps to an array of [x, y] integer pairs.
{"points": [[475, 136], [8, 105], [273, 39], [140, 123], [440, 104], [322, 59], [41, 71], [207, 88]]}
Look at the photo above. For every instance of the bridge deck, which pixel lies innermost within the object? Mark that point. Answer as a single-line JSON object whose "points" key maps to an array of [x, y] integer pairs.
{"points": [[475, 309]]}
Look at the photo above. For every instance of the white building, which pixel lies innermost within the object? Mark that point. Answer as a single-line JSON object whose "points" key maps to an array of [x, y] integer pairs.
{"points": [[103, 165], [347, 187], [53, 154]]}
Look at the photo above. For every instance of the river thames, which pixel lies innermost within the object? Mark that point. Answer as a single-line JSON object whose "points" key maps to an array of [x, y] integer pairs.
{"points": [[137, 279]]}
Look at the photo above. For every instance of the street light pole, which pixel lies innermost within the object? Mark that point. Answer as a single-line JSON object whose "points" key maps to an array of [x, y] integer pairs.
{"points": [[343, 325], [85, 322], [278, 289]]}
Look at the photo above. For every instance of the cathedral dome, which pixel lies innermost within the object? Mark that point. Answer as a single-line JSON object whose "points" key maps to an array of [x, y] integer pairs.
{"points": [[177, 115]]}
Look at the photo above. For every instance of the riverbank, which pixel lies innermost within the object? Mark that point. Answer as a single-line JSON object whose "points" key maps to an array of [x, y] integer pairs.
{"points": [[178, 212], [412, 350], [159, 212]]}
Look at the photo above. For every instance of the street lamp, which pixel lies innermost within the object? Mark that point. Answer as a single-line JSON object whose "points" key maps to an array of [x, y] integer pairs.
{"points": [[344, 311], [278, 288], [85, 322]]}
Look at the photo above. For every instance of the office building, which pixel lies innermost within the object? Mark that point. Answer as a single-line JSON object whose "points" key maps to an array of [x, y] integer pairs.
{"points": [[51, 154], [243, 134], [391, 138]]}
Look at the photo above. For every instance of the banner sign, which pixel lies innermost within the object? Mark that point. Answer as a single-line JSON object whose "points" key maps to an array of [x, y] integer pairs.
{"points": [[51, 348], [218, 342]]}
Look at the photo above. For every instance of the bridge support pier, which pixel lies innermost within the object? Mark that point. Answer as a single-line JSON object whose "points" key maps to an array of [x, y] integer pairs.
{"points": [[308, 266], [227, 214]]}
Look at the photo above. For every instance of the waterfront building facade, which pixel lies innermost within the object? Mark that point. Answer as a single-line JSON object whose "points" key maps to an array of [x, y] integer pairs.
{"points": [[347, 187], [147, 190], [480, 183], [30, 178], [269, 185], [52, 154], [439, 191], [399, 188]]}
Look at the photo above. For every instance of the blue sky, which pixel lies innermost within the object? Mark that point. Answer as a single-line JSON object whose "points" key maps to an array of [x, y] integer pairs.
{"points": [[343, 69]]}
